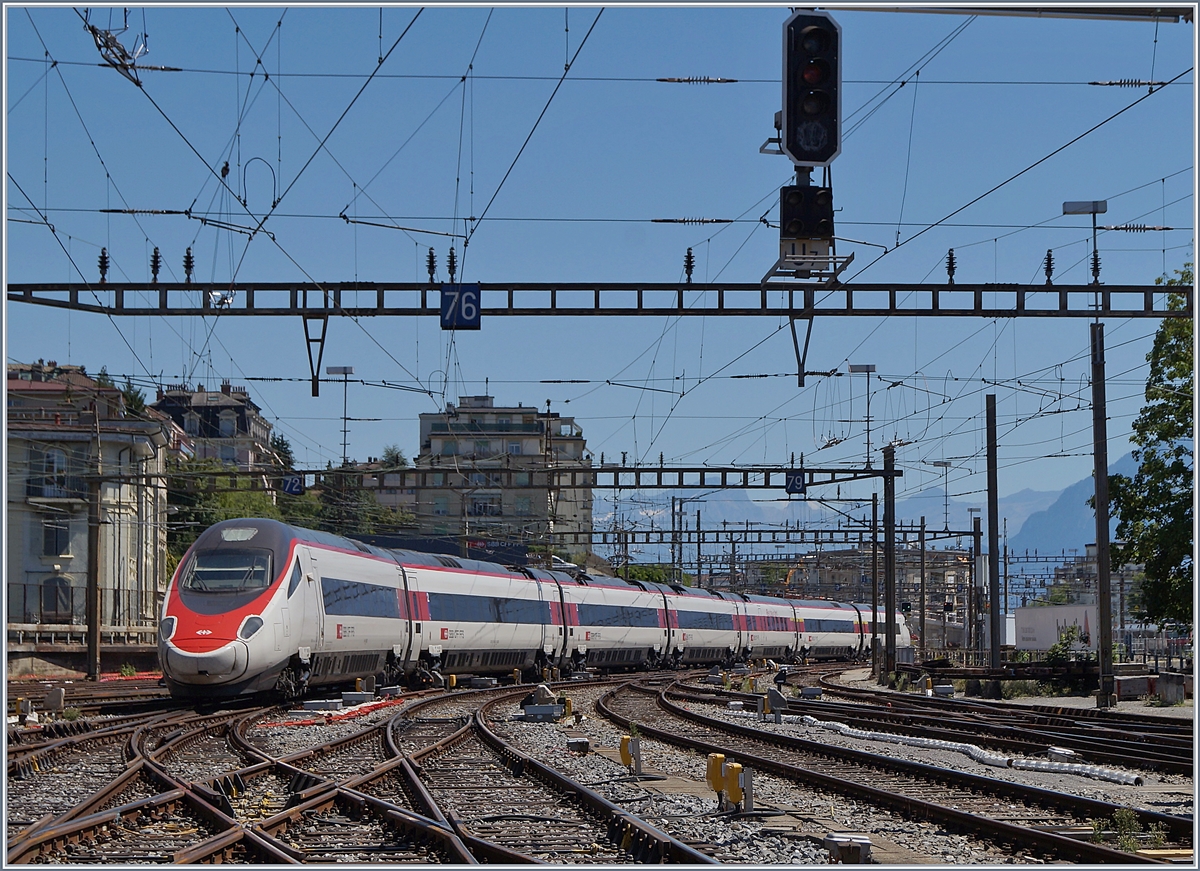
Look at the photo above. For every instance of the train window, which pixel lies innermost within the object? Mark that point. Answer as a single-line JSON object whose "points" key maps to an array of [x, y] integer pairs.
{"points": [[238, 533], [297, 576], [228, 571]]}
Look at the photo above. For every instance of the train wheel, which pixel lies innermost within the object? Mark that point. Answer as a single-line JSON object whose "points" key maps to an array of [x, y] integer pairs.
{"points": [[290, 684]]}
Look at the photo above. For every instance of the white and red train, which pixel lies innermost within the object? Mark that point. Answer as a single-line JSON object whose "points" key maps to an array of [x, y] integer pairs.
{"points": [[258, 605]]}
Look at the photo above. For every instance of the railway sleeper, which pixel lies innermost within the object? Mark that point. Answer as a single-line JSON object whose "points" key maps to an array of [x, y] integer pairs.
{"points": [[642, 840], [1005, 832], [1179, 828], [347, 814], [149, 830]]}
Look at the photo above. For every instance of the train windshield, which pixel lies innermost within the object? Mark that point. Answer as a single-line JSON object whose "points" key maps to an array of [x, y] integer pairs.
{"points": [[228, 571]]}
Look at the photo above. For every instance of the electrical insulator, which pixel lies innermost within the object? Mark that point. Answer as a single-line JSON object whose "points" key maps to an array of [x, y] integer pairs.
{"points": [[951, 266], [431, 265], [1048, 266], [689, 264], [155, 265], [189, 266], [1095, 266], [103, 265], [452, 265]]}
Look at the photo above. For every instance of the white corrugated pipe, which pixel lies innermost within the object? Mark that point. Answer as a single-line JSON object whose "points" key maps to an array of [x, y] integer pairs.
{"points": [[976, 753], [1075, 768], [981, 755]]}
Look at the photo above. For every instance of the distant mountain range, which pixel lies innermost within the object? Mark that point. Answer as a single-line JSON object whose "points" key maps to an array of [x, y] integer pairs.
{"points": [[1048, 521], [1069, 522]]}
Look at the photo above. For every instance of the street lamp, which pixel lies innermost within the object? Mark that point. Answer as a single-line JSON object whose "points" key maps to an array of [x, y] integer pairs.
{"points": [[345, 372], [866, 368], [1093, 208]]}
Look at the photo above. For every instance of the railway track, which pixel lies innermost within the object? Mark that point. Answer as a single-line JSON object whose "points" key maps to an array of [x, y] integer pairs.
{"points": [[1098, 737], [1057, 824]]}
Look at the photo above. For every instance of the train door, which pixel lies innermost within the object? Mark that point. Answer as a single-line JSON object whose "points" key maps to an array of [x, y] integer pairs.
{"points": [[310, 604], [403, 647], [554, 635], [861, 629]]}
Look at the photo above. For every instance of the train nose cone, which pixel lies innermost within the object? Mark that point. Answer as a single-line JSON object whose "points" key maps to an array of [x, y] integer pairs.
{"points": [[222, 665]]}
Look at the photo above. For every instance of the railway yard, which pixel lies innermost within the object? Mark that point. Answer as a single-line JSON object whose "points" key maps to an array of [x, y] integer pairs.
{"points": [[838, 771]]}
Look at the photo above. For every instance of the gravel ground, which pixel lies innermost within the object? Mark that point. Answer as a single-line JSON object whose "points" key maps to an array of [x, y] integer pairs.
{"points": [[286, 735], [749, 840], [1148, 796]]}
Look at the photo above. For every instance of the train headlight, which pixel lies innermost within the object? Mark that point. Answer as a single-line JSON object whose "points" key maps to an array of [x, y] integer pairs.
{"points": [[252, 625], [166, 628]]}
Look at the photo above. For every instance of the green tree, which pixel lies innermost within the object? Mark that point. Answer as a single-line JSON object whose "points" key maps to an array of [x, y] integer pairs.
{"points": [[1154, 508], [201, 493], [285, 459], [135, 400], [103, 379], [393, 457], [649, 573]]}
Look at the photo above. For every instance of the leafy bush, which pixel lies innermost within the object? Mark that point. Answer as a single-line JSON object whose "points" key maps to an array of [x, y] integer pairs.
{"points": [[128, 670], [70, 714]]}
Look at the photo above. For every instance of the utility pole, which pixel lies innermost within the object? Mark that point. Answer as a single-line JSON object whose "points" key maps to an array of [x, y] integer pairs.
{"points": [[993, 535], [922, 547], [875, 583], [699, 538], [1103, 576], [889, 558], [972, 597], [92, 601]]}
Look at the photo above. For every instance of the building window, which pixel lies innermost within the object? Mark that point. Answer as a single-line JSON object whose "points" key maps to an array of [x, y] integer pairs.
{"points": [[449, 448], [482, 447], [56, 600], [484, 506], [523, 506], [514, 448], [440, 506], [191, 424], [229, 455], [521, 479], [55, 467], [56, 535], [228, 424]]}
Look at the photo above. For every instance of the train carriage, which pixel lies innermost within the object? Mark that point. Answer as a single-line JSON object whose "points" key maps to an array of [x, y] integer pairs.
{"points": [[829, 630], [704, 627], [612, 623], [769, 626]]}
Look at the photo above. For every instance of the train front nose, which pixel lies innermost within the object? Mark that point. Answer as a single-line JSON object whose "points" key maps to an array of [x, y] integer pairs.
{"points": [[221, 665]]}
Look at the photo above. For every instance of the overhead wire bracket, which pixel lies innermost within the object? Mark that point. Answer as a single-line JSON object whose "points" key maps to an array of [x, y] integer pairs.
{"points": [[312, 338]]}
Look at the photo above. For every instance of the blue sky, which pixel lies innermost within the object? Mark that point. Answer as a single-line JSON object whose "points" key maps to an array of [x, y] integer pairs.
{"points": [[614, 150]]}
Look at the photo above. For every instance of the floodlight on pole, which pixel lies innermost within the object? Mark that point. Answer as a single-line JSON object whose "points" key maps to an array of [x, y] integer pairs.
{"points": [[345, 372], [866, 368], [1093, 208]]}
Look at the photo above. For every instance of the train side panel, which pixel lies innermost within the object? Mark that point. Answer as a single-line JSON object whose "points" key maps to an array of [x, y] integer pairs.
{"points": [[704, 627], [612, 624], [480, 622], [363, 617]]}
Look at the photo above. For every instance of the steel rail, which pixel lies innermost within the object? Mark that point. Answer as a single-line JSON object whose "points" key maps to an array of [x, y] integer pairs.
{"points": [[908, 805], [647, 842]]}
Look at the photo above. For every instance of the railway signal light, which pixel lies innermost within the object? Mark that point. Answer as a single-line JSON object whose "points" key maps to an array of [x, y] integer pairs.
{"points": [[805, 212], [812, 77]]}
